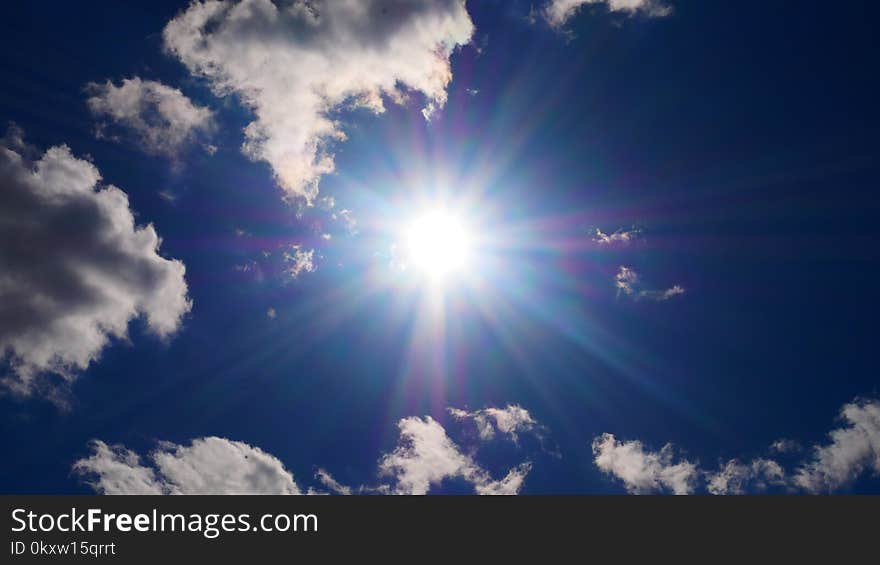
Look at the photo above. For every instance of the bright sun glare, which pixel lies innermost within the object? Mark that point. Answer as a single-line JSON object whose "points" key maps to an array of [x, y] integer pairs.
{"points": [[437, 244]]}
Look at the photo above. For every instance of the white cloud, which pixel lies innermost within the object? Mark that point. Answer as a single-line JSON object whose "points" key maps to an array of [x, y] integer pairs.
{"points": [[736, 477], [510, 420], [643, 471], [425, 456], [619, 237], [161, 117], [75, 269], [296, 64], [335, 486], [558, 12], [301, 261], [853, 450], [271, 313], [629, 283], [209, 465]]}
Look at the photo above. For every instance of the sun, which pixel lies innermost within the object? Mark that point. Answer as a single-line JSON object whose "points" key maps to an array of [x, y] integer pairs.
{"points": [[437, 244]]}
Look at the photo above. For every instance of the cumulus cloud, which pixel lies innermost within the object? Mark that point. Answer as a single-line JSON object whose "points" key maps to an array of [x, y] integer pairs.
{"points": [[296, 64], [75, 269], [425, 456], [209, 465], [628, 282], [558, 12], [641, 470], [300, 260], [854, 449], [161, 118]]}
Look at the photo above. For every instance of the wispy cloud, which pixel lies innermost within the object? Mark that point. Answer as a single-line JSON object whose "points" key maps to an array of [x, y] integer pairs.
{"points": [[641, 470], [300, 261], [558, 12], [619, 237], [628, 283], [161, 118], [853, 450]]}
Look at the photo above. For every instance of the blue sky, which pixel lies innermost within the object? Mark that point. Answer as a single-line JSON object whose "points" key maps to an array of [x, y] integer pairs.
{"points": [[730, 146]]}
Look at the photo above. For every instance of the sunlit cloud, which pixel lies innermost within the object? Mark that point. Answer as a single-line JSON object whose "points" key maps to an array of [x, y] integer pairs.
{"points": [[619, 237], [423, 459], [161, 118], [510, 420], [426, 456], [854, 451], [558, 12], [629, 284], [641, 470], [300, 261], [209, 465], [297, 65]]}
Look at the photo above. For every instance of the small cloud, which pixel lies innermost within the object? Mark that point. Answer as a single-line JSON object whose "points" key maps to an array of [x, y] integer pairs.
{"points": [[160, 117], [741, 478], [558, 12], [510, 421], [644, 471], [348, 220], [301, 260], [472, 91], [327, 202], [785, 446], [619, 237], [168, 196], [271, 313], [628, 283]]}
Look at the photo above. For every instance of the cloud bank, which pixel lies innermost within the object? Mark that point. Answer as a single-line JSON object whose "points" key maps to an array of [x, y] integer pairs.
{"points": [[296, 64], [75, 269], [161, 118]]}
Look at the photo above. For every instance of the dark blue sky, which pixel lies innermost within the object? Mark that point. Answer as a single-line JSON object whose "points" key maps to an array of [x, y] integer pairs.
{"points": [[741, 137]]}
